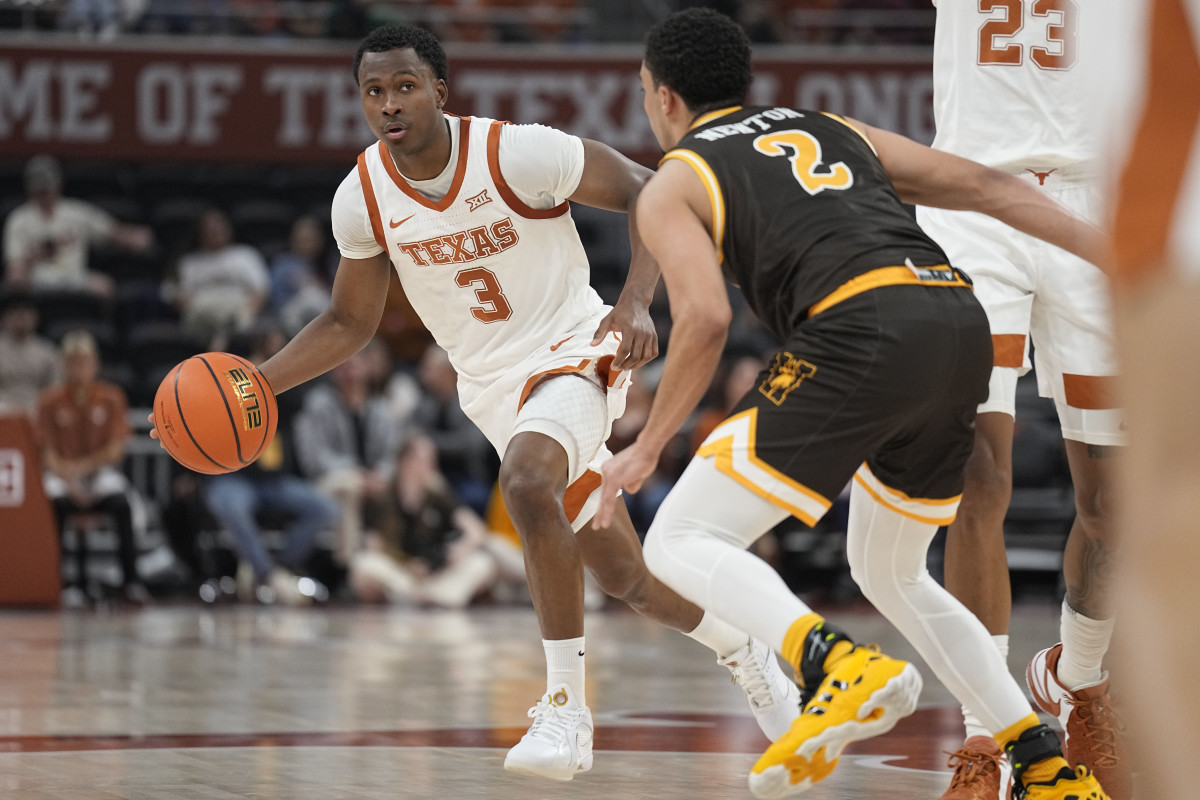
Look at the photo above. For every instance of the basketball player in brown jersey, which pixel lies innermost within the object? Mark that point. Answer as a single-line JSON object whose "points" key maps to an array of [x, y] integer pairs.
{"points": [[885, 357]]}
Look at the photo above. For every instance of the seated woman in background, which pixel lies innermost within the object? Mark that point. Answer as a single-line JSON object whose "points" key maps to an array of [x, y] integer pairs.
{"points": [[429, 548]]}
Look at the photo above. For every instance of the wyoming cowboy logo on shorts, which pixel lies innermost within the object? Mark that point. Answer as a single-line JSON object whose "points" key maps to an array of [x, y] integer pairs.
{"points": [[787, 373]]}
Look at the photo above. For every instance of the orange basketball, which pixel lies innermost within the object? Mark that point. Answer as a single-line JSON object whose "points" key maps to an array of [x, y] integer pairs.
{"points": [[215, 413]]}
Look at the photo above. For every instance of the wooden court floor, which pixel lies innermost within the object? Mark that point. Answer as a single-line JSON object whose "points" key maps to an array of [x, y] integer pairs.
{"points": [[217, 703]]}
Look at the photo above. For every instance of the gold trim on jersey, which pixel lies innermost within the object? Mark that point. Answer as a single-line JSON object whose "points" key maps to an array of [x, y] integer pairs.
{"points": [[715, 198], [732, 446], [709, 116], [920, 509], [854, 128], [885, 276]]}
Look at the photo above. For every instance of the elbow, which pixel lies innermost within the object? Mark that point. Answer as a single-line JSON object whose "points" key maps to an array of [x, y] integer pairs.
{"points": [[711, 325], [354, 328]]}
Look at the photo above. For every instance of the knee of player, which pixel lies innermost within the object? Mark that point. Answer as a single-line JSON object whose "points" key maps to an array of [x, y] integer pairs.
{"points": [[876, 577], [625, 580], [527, 489], [987, 486]]}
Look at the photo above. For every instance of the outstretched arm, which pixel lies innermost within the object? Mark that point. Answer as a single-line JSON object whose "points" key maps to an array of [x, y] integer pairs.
{"points": [[675, 216], [359, 292], [612, 182], [929, 177]]}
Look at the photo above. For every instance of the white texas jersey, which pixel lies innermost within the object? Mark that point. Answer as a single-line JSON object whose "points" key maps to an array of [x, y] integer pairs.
{"points": [[494, 270], [1013, 80]]}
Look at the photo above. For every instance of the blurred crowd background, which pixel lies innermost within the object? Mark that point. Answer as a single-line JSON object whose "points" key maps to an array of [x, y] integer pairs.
{"points": [[377, 488], [838, 22]]}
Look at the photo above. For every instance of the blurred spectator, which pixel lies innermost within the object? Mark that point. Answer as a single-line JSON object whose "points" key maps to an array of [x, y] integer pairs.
{"points": [[833, 22], [300, 275], [347, 19], [272, 486], [738, 374], [192, 17], [398, 387], [28, 363], [347, 442], [82, 428], [46, 238], [465, 456], [99, 17], [430, 547], [221, 286], [479, 21]]}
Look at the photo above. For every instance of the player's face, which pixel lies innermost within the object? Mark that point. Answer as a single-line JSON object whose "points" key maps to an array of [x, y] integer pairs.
{"points": [[653, 109], [401, 99]]}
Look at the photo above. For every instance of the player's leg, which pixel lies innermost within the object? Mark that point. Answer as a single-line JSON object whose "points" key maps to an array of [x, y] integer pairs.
{"points": [[615, 556], [697, 546], [887, 541], [533, 480], [548, 490], [976, 564], [976, 573], [1075, 360], [1089, 560]]}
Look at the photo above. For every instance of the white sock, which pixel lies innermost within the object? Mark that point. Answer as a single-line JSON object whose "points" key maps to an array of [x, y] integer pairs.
{"points": [[973, 725], [719, 636], [1084, 641], [564, 666]]}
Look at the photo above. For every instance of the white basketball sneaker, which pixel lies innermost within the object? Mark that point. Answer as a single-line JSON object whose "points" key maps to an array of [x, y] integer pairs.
{"points": [[773, 697], [558, 743]]}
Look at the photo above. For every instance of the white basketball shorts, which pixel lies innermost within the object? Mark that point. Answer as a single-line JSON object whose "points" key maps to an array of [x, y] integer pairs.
{"points": [[495, 406], [1033, 291]]}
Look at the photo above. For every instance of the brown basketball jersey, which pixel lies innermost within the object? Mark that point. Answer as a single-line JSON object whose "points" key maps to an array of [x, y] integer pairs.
{"points": [[801, 205]]}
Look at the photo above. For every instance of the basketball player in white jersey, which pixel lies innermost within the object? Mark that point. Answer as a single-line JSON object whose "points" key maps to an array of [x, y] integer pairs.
{"points": [[1012, 91], [1156, 233], [473, 216]]}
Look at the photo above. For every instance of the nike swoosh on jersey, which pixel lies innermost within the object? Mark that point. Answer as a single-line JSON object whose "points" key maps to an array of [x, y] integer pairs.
{"points": [[554, 347], [401, 222]]}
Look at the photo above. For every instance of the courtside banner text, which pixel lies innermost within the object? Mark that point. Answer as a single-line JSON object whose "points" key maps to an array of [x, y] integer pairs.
{"points": [[183, 100]]}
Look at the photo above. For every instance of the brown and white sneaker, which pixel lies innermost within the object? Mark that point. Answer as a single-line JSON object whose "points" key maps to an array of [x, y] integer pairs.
{"points": [[1087, 717], [981, 772]]}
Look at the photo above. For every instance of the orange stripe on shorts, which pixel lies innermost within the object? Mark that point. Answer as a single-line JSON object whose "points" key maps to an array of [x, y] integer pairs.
{"points": [[1008, 350], [1089, 392]]}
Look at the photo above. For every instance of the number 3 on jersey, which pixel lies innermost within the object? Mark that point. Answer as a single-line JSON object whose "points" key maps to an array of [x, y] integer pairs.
{"points": [[1007, 18], [495, 307], [804, 151]]}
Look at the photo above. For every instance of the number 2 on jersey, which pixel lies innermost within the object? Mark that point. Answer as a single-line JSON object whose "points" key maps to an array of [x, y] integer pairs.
{"points": [[804, 151], [1008, 18], [495, 306]]}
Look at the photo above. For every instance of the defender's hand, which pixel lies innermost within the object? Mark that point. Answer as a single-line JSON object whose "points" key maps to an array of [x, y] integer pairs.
{"points": [[626, 470]]}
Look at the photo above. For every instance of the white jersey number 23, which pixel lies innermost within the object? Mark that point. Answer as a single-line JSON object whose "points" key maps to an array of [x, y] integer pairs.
{"points": [[1006, 18]]}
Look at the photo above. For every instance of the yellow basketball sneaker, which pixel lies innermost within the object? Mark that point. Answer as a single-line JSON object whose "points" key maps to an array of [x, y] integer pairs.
{"points": [[1041, 773], [865, 694], [1068, 784]]}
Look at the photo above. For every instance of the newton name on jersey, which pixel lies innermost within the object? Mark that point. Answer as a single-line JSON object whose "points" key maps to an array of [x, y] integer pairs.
{"points": [[756, 123]]}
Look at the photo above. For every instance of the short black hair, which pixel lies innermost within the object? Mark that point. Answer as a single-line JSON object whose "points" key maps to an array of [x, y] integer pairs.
{"points": [[703, 55], [398, 37]]}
